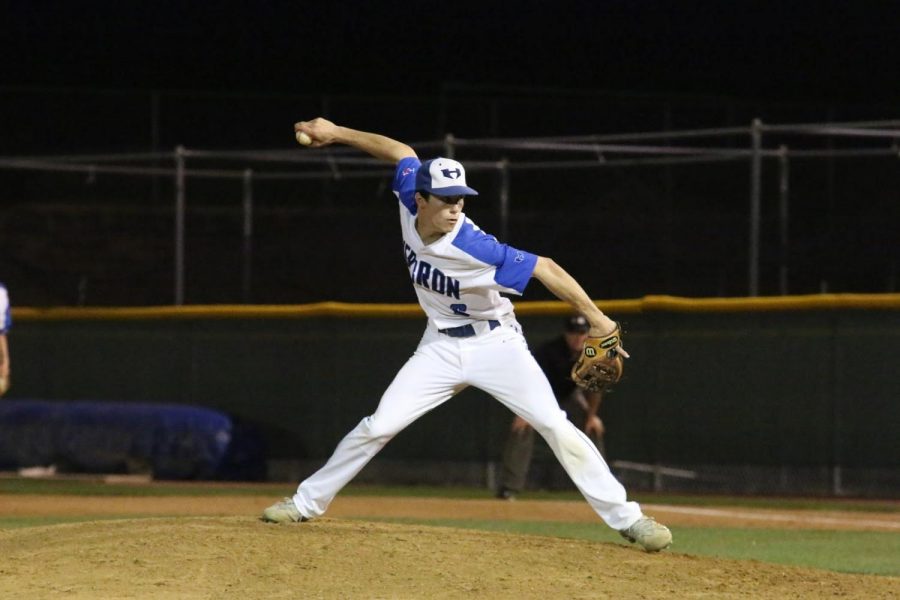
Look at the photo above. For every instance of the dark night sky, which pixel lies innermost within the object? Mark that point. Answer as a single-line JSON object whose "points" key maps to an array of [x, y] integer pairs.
{"points": [[788, 50]]}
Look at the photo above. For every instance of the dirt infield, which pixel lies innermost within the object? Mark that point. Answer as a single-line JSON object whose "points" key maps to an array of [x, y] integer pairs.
{"points": [[216, 547]]}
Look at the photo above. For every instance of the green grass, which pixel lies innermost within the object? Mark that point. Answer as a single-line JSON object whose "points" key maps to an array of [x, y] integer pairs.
{"points": [[81, 487], [866, 552], [78, 487], [848, 504]]}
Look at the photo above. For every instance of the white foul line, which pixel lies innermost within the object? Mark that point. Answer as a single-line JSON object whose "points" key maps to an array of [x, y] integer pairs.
{"points": [[716, 512]]}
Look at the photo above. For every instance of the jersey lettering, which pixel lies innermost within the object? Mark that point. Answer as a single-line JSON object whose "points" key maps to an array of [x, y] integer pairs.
{"points": [[422, 274], [453, 288], [438, 281], [429, 277], [459, 309]]}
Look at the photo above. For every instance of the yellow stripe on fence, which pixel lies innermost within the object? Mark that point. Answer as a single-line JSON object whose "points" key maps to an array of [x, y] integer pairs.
{"points": [[410, 310]]}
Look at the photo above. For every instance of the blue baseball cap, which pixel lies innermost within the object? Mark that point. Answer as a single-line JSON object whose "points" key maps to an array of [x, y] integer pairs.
{"points": [[443, 177]]}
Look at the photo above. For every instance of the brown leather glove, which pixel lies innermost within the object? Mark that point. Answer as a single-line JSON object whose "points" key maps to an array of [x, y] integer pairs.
{"points": [[600, 364]]}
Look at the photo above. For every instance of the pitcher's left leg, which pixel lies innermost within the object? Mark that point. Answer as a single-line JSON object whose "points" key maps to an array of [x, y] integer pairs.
{"points": [[428, 379], [501, 365]]}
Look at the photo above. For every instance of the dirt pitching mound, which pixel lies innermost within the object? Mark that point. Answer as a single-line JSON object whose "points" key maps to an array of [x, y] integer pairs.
{"points": [[224, 557]]}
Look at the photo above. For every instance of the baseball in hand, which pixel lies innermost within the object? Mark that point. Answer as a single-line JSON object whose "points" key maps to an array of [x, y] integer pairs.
{"points": [[303, 138]]}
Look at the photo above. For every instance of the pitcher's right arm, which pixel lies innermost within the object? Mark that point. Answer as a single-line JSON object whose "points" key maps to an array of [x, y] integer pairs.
{"points": [[323, 133]]}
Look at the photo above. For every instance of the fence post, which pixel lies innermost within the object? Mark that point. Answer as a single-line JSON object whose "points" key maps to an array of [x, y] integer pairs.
{"points": [[783, 217], [837, 389], [449, 148], [503, 167], [247, 255], [179, 225], [154, 142], [755, 210]]}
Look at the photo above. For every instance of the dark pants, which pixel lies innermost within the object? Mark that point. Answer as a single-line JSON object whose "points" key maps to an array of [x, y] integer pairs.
{"points": [[519, 448]]}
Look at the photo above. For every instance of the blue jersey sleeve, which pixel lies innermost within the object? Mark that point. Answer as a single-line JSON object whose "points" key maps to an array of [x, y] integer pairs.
{"points": [[514, 266], [405, 182], [516, 269], [5, 312]]}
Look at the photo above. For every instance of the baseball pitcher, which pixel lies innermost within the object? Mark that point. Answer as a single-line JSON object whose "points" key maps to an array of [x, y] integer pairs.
{"points": [[5, 323], [471, 338]]}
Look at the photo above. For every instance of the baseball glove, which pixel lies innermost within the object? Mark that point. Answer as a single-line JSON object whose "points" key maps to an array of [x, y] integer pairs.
{"points": [[601, 363]]}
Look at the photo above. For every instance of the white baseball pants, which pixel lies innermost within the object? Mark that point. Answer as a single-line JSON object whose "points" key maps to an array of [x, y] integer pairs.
{"points": [[498, 362]]}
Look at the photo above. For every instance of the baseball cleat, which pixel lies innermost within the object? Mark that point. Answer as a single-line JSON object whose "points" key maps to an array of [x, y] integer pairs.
{"points": [[648, 533], [283, 512]]}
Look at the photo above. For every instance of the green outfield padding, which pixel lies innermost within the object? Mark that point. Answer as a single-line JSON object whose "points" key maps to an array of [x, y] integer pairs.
{"points": [[806, 385]]}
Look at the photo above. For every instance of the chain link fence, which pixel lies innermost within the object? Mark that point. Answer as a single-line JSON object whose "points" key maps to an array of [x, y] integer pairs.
{"points": [[99, 206]]}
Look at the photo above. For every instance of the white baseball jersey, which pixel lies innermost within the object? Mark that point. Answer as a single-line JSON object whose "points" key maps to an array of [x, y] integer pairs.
{"points": [[5, 313], [459, 277]]}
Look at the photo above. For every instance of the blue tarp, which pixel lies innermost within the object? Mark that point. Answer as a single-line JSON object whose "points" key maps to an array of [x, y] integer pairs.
{"points": [[173, 441]]}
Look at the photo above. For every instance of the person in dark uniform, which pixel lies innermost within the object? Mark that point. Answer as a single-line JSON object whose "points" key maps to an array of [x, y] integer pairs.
{"points": [[555, 358]]}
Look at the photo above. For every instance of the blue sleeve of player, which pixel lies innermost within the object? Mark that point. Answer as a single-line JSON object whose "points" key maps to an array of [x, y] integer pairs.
{"points": [[5, 313], [514, 267], [405, 182]]}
